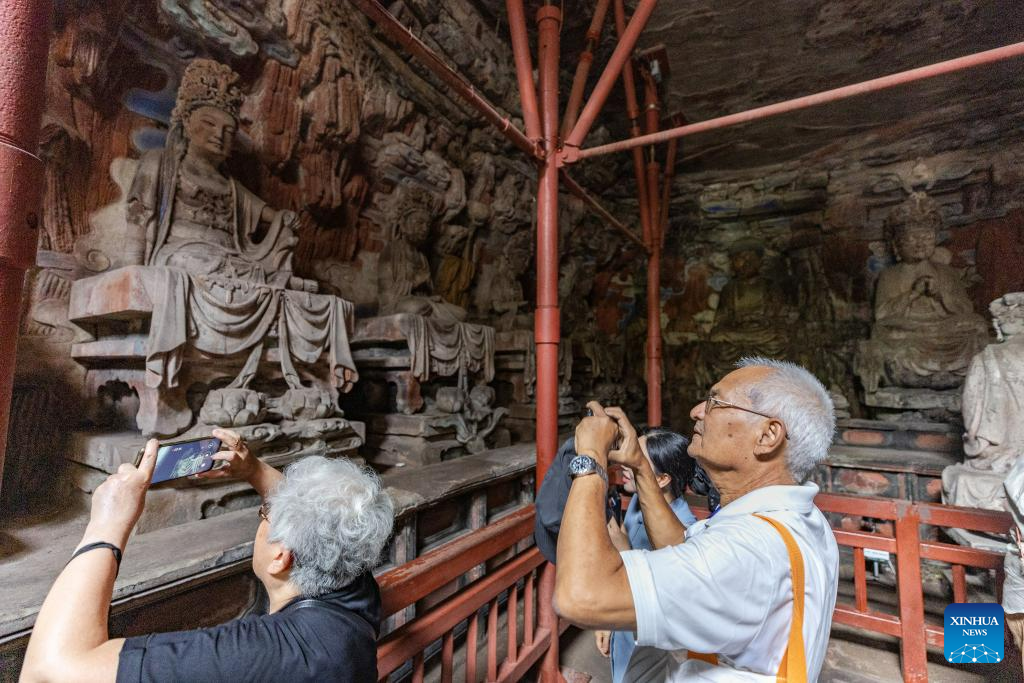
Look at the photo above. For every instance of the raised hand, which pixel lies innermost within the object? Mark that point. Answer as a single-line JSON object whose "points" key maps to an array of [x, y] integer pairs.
{"points": [[628, 452], [237, 461], [118, 502], [596, 434]]}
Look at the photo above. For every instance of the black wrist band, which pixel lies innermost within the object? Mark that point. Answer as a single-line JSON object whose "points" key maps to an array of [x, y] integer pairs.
{"points": [[94, 546]]}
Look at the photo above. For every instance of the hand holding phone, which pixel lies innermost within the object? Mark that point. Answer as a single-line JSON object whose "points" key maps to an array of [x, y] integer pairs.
{"points": [[177, 459]]}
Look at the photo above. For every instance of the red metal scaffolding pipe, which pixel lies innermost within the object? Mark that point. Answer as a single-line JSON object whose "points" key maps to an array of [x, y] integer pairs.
{"points": [[633, 112], [579, 81], [627, 41], [602, 212], [652, 109], [546, 322], [666, 190], [570, 154], [404, 37], [524, 69], [24, 41]]}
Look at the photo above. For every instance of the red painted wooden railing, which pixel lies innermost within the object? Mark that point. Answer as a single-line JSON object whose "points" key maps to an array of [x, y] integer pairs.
{"points": [[517, 578], [405, 585], [910, 625]]}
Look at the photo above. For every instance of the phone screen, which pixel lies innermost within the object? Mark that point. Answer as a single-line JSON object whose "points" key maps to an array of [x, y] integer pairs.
{"points": [[184, 458]]}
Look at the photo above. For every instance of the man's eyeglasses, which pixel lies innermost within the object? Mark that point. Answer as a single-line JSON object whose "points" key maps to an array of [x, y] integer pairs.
{"points": [[713, 401], [264, 512]]}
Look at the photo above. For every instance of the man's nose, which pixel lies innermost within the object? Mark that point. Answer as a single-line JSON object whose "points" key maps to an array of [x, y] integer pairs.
{"points": [[697, 412]]}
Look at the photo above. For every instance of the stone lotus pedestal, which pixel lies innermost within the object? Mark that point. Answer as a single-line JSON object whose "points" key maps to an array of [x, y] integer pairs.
{"points": [[115, 308], [399, 380], [95, 455]]}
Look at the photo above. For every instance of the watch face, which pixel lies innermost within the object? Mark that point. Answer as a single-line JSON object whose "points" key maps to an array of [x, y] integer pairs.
{"points": [[582, 464]]}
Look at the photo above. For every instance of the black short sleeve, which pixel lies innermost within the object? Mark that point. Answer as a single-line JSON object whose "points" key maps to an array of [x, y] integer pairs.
{"points": [[281, 647]]}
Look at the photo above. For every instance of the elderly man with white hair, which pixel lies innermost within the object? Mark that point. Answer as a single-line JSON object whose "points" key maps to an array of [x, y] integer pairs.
{"points": [[745, 595], [323, 526]]}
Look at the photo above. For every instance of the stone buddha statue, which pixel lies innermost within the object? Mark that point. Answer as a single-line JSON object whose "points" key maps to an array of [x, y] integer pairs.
{"points": [[405, 284], [925, 330], [500, 292], [750, 315], [221, 277], [993, 398]]}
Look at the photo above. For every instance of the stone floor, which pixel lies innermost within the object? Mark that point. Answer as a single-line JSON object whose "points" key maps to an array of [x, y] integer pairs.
{"points": [[850, 659]]}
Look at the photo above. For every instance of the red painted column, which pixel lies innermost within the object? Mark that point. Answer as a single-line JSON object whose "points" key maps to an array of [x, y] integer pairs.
{"points": [[24, 42], [546, 323], [654, 261]]}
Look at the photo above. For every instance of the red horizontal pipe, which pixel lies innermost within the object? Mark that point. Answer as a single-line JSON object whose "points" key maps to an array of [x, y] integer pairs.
{"points": [[524, 69], [570, 154], [627, 41], [404, 37], [602, 212]]}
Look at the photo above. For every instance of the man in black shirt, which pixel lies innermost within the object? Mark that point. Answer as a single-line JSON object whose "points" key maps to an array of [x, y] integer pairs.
{"points": [[324, 525]]}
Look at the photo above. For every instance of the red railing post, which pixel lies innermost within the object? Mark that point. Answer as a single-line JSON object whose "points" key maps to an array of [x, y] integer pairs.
{"points": [[24, 41], [913, 643], [547, 333]]}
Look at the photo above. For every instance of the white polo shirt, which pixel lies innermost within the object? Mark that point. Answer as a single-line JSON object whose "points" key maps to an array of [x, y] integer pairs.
{"points": [[728, 590]]}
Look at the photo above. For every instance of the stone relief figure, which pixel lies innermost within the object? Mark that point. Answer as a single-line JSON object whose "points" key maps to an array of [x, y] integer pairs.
{"points": [[925, 330], [748, 308], [500, 291], [751, 317], [405, 284], [219, 273], [475, 418], [993, 401]]}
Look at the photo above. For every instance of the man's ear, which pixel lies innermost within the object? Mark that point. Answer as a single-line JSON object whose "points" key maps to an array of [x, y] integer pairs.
{"points": [[771, 438], [663, 480], [282, 560]]}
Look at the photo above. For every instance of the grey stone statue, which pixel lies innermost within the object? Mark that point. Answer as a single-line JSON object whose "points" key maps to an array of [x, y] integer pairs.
{"points": [[993, 400], [223, 280], [925, 330]]}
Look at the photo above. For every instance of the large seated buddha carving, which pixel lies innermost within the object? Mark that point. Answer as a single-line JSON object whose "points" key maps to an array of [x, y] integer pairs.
{"points": [[216, 281], [925, 329]]}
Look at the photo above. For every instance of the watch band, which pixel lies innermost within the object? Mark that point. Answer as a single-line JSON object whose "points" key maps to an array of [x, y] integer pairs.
{"points": [[583, 464]]}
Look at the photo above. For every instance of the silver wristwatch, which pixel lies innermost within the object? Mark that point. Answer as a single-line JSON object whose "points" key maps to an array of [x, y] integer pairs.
{"points": [[583, 464]]}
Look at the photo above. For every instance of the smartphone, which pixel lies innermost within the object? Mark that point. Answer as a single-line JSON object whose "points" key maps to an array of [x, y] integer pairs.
{"points": [[176, 459]]}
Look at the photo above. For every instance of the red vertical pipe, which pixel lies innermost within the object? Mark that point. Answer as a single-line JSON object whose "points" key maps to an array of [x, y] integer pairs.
{"points": [[579, 81], [654, 262], [619, 58], [546, 326], [524, 68], [24, 41], [633, 112]]}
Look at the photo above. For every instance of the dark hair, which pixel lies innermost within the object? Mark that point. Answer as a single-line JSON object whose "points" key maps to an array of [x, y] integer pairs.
{"points": [[668, 452]]}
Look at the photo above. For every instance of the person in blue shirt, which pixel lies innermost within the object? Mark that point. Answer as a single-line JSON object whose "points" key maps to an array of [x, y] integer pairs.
{"points": [[666, 450]]}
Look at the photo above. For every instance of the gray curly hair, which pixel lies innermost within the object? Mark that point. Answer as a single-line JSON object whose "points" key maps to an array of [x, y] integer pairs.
{"points": [[335, 518], [795, 396]]}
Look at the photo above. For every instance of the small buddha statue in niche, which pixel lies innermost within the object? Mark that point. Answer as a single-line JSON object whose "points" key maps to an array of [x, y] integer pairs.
{"points": [[925, 330], [404, 279], [993, 397], [500, 291], [748, 318]]}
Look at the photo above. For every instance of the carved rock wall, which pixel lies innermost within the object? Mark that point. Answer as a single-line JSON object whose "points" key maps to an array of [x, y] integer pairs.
{"points": [[336, 126], [819, 224]]}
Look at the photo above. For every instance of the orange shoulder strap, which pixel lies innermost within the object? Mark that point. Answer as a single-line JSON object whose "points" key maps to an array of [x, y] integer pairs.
{"points": [[793, 660]]}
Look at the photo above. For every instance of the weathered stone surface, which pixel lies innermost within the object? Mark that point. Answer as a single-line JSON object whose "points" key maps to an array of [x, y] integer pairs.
{"points": [[904, 398]]}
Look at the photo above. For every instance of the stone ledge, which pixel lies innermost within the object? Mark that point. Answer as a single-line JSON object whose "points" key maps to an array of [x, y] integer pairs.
{"points": [[34, 553]]}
